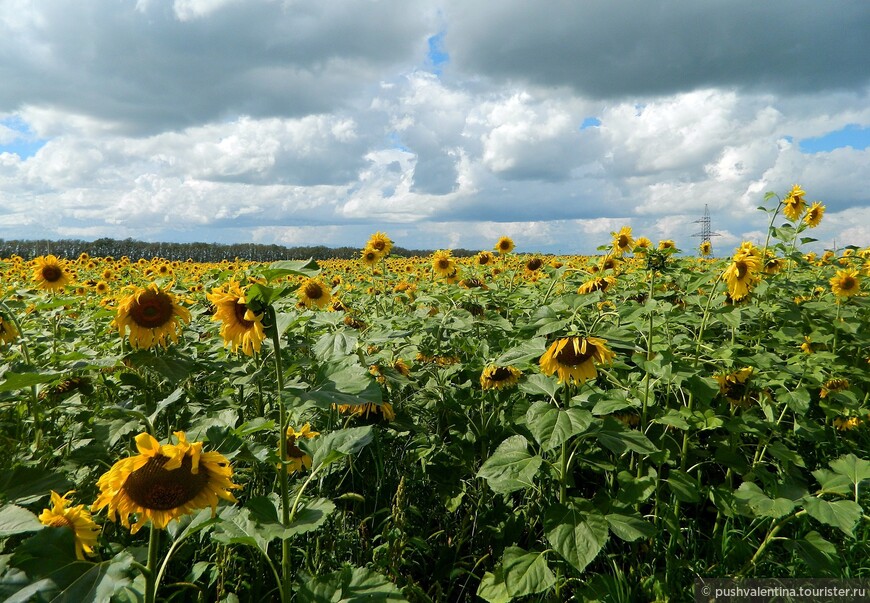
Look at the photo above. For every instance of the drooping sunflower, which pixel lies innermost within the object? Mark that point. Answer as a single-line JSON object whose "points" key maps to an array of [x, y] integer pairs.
{"points": [[845, 283], [381, 243], [164, 482], [499, 377], [151, 314], [313, 292], [814, 214], [774, 265], [240, 326], [50, 273], [705, 248], [8, 331], [794, 204], [667, 244], [741, 276], [76, 518], [297, 459], [834, 385], [573, 359], [443, 263], [622, 240], [735, 385], [385, 409], [504, 245]]}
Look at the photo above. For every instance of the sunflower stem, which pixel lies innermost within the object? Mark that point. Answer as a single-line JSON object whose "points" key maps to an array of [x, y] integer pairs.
{"points": [[283, 481], [150, 573]]}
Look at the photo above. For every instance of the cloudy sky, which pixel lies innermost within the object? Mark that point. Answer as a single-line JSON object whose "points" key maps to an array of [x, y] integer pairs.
{"points": [[444, 123]]}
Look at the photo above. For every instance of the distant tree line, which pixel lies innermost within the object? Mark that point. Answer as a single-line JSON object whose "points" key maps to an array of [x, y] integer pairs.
{"points": [[198, 252]]}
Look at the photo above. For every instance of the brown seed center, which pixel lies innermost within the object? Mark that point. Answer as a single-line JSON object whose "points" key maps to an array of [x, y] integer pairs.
{"points": [[51, 273], [568, 357], [500, 374], [240, 310], [153, 487], [152, 310], [313, 291]]}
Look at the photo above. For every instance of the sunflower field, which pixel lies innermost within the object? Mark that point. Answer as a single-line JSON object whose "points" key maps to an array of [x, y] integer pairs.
{"points": [[506, 427]]}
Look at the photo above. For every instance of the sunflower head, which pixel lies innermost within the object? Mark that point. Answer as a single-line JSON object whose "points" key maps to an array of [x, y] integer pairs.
{"points": [[622, 240], [152, 315], [794, 204], [368, 410], [381, 243], [443, 263], [50, 273], [164, 482], [297, 459], [735, 386], [76, 518], [8, 331], [573, 359], [314, 293], [240, 326], [370, 256], [499, 377], [705, 248], [845, 283], [834, 385], [484, 258], [504, 245], [814, 214]]}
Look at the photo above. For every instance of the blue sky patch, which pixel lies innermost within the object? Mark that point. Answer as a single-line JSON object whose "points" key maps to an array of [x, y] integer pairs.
{"points": [[853, 135], [437, 55], [25, 144], [590, 122]]}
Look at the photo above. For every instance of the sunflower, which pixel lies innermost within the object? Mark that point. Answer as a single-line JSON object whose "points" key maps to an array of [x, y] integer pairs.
{"points": [[622, 240], [814, 214], [794, 204], [534, 264], [504, 245], [484, 258], [239, 325], [76, 518], [297, 460], [370, 257], [574, 358], [151, 314], [364, 410], [735, 386], [381, 243], [596, 283], [741, 275], [102, 287], [667, 244], [499, 377], [642, 244], [50, 273], [833, 385], [847, 424], [705, 248], [845, 283], [313, 292], [164, 482], [443, 263], [8, 332], [774, 265]]}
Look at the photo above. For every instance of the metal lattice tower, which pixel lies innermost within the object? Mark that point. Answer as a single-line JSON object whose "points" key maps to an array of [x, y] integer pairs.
{"points": [[706, 234]]}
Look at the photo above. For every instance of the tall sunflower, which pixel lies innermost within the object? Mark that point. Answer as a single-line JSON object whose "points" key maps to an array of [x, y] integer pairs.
{"points": [[705, 248], [370, 257], [164, 482], [76, 518], [845, 283], [297, 459], [443, 263], [742, 274], [151, 314], [622, 240], [596, 283], [50, 273], [381, 243], [794, 204], [313, 293], [499, 377], [504, 245], [814, 214], [240, 326], [574, 358]]}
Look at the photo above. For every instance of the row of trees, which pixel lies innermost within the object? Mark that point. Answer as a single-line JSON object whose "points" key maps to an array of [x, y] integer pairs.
{"points": [[198, 252]]}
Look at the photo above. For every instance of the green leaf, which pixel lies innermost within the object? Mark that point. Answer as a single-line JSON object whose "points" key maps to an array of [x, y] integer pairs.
{"points": [[633, 490], [511, 467], [552, 426], [284, 268], [630, 527], [756, 503], [855, 469], [15, 381], [349, 585], [618, 438], [336, 345], [833, 483], [523, 354], [26, 485], [537, 384], [577, 531], [525, 573], [683, 486], [492, 587], [240, 526], [816, 552], [17, 520], [338, 444], [310, 517], [843, 514]]}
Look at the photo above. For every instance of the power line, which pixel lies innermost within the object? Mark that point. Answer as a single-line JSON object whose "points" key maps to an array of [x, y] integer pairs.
{"points": [[706, 234]]}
